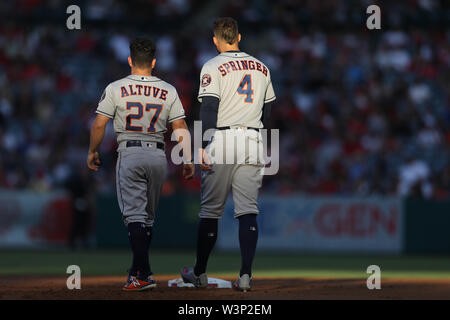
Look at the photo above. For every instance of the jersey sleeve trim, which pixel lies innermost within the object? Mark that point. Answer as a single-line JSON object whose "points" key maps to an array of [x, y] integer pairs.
{"points": [[176, 118], [270, 99], [105, 114], [208, 94]]}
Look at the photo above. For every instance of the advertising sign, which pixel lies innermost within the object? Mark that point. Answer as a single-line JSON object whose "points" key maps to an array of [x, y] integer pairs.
{"points": [[322, 224]]}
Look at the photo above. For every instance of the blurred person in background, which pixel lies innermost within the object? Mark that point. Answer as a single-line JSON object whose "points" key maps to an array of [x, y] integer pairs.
{"points": [[79, 186], [414, 178]]}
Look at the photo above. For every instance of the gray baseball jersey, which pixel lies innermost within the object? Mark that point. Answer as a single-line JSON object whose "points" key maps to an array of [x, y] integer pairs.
{"points": [[140, 107], [242, 84]]}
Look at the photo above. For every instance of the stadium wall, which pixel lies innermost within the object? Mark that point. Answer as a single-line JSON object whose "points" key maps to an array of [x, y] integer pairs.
{"points": [[290, 223]]}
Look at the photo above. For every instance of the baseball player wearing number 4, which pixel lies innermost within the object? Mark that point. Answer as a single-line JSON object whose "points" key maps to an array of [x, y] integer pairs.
{"points": [[140, 106], [236, 94]]}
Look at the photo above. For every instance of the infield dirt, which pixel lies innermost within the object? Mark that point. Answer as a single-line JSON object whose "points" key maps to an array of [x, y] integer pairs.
{"points": [[109, 287]]}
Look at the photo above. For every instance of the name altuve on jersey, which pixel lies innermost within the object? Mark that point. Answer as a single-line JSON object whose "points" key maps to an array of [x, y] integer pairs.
{"points": [[239, 65], [139, 90]]}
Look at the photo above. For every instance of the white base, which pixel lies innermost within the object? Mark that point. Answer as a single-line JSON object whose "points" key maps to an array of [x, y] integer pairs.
{"points": [[212, 283]]}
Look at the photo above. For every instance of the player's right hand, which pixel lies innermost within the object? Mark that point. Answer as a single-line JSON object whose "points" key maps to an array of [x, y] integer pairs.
{"points": [[93, 160], [205, 163], [188, 171]]}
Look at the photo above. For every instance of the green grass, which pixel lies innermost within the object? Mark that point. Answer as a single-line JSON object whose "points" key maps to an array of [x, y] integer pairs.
{"points": [[103, 262]]}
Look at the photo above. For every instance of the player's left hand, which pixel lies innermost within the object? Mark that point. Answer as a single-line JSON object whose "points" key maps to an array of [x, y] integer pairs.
{"points": [[93, 160], [188, 171], [205, 163]]}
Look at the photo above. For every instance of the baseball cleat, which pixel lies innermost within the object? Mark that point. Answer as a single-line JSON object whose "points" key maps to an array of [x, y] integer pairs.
{"points": [[243, 283], [189, 276], [135, 284]]}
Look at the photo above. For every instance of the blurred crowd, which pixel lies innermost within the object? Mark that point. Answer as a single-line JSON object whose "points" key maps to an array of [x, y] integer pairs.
{"points": [[359, 112]]}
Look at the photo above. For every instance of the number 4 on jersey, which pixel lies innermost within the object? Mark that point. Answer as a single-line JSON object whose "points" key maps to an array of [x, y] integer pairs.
{"points": [[245, 87]]}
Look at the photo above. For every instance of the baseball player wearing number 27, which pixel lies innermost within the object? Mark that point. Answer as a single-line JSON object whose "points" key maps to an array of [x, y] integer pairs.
{"points": [[236, 94], [140, 105]]}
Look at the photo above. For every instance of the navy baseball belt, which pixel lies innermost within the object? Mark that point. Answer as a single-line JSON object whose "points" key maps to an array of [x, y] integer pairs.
{"points": [[137, 143], [226, 128]]}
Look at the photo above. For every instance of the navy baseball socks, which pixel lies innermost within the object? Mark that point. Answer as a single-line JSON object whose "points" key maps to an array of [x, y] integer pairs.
{"points": [[206, 239], [248, 238], [207, 236], [140, 237]]}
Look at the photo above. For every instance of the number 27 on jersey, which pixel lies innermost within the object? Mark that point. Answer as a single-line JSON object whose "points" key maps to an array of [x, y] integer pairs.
{"points": [[140, 114]]}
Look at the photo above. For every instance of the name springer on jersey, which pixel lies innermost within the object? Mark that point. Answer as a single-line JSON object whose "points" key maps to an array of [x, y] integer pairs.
{"points": [[240, 65]]}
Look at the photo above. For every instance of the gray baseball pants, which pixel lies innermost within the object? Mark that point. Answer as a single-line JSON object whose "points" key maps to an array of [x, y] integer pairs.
{"points": [[243, 176], [140, 174]]}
